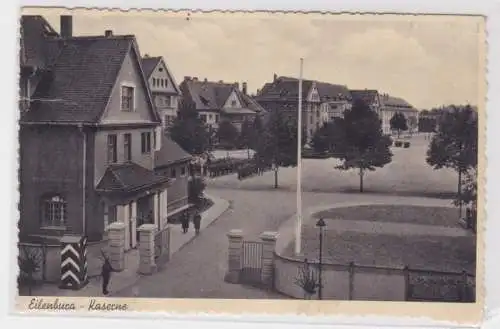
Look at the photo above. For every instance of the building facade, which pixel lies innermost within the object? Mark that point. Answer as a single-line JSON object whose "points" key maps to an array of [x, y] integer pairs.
{"points": [[219, 101], [164, 89], [320, 101], [391, 105], [89, 136]]}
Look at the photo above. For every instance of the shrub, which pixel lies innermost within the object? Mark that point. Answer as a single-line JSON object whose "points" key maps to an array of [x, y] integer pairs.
{"points": [[407, 145], [398, 143], [247, 170], [196, 186]]}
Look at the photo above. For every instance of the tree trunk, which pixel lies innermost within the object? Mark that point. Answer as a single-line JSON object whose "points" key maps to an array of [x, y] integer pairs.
{"points": [[361, 174], [459, 193], [275, 177], [248, 152]]}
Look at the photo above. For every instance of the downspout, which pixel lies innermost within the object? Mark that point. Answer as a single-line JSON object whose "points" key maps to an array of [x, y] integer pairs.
{"points": [[84, 180]]}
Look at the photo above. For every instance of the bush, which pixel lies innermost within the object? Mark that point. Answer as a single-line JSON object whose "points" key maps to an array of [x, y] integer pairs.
{"points": [[196, 186], [398, 143], [247, 170], [407, 145]]}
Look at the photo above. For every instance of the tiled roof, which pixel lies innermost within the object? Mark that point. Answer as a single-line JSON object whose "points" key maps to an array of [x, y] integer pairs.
{"points": [[35, 31], [128, 177], [252, 104], [287, 88], [368, 96], [284, 88], [170, 153], [78, 85], [149, 64], [388, 100], [209, 95]]}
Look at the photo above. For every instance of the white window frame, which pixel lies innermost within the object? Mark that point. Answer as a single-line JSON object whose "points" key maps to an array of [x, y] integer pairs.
{"points": [[52, 201], [182, 168], [127, 84]]}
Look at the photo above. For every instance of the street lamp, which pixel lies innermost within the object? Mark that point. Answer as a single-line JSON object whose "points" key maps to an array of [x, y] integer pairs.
{"points": [[321, 224]]}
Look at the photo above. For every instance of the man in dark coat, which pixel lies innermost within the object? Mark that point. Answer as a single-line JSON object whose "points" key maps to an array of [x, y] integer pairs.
{"points": [[185, 223], [106, 271]]}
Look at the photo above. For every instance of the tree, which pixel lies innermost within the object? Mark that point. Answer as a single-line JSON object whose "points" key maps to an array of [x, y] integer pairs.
{"points": [[246, 135], [196, 186], [398, 123], [227, 133], [357, 140], [277, 145], [189, 131], [412, 124], [455, 144]]}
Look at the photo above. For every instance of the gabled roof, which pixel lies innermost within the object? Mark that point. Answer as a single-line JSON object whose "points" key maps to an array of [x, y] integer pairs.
{"points": [[252, 104], [368, 96], [78, 84], [128, 177], [209, 95], [149, 64], [284, 88], [35, 32], [287, 88], [388, 100], [170, 153]]}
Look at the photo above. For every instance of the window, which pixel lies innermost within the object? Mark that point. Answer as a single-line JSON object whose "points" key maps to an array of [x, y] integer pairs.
{"points": [[210, 117], [127, 147], [216, 118], [127, 98], [233, 103], [173, 173], [203, 117], [54, 211], [146, 142], [154, 82], [311, 119], [112, 149], [154, 141], [183, 171], [161, 82]]}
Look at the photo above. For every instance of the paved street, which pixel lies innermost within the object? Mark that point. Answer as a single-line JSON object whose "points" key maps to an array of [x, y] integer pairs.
{"points": [[197, 270]]}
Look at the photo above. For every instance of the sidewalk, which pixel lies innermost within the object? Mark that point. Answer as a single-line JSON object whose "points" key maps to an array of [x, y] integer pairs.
{"points": [[129, 275]]}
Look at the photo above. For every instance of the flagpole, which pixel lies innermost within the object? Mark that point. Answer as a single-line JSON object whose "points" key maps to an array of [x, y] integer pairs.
{"points": [[298, 228]]}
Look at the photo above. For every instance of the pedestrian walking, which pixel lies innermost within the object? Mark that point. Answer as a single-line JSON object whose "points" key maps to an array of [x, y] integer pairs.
{"points": [[197, 223], [106, 271], [185, 223]]}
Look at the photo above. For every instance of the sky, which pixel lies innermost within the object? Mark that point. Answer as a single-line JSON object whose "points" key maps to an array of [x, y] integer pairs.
{"points": [[427, 60]]}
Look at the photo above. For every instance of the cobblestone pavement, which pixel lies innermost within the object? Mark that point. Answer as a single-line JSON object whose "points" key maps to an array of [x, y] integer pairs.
{"points": [[197, 270]]}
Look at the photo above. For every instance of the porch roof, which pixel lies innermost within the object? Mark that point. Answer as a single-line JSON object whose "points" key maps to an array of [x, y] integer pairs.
{"points": [[129, 177]]}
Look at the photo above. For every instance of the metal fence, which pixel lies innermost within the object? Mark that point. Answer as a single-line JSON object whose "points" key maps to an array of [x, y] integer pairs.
{"points": [[32, 261], [251, 267]]}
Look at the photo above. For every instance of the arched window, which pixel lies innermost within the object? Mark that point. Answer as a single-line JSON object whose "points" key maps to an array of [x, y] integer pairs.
{"points": [[54, 209]]}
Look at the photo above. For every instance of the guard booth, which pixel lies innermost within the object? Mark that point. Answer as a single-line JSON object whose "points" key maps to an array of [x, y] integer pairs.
{"points": [[73, 262]]}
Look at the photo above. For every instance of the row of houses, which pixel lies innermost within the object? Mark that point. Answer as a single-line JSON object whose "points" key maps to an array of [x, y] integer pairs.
{"points": [[322, 102], [92, 145]]}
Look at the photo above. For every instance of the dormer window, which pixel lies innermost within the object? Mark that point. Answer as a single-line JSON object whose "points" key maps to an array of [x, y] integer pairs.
{"points": [[233, 103], [127, 99]]}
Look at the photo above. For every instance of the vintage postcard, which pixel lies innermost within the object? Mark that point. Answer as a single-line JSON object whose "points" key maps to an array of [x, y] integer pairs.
{"points": [[299, 163]]}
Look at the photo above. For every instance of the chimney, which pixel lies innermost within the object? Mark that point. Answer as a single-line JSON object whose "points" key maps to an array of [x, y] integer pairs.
{"points": [[236, 85], [66, 27], [187, 78], [244, 88], [108, 33], [258, 92], [195, 78], [275, 77], [205, 80]]}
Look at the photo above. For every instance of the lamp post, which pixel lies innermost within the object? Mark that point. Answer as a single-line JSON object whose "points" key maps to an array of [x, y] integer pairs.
{"points": [[321, 224]]}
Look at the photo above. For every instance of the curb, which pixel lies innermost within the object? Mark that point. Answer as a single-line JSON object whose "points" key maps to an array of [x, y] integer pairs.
{"points": [[224, 207]]}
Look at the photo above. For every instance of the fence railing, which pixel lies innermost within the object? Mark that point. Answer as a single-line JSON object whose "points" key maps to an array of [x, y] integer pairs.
{"points": [[361, 282], [32, 262], [161, 243]]}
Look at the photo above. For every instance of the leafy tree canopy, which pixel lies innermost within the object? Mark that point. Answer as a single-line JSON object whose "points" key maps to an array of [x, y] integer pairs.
{"points": [[189, 131]]}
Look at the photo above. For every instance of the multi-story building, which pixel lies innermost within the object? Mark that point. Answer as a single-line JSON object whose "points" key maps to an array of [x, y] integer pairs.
{"points": [[90, 136], [391, 105], [320, 100], [166, 93], [217, 101]]}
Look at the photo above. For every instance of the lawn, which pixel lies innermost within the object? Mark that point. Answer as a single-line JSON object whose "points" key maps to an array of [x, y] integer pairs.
{"points": [[440, 216], [426, 252], [407, 175]]}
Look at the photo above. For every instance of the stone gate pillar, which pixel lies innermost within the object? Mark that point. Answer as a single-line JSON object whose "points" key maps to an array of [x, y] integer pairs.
{"points": [[234, 256], [147, 263], [116, 245], [269, 244]]}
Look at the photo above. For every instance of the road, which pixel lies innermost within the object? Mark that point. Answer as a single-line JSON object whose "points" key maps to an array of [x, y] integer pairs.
{"points": [[197, 270]]}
